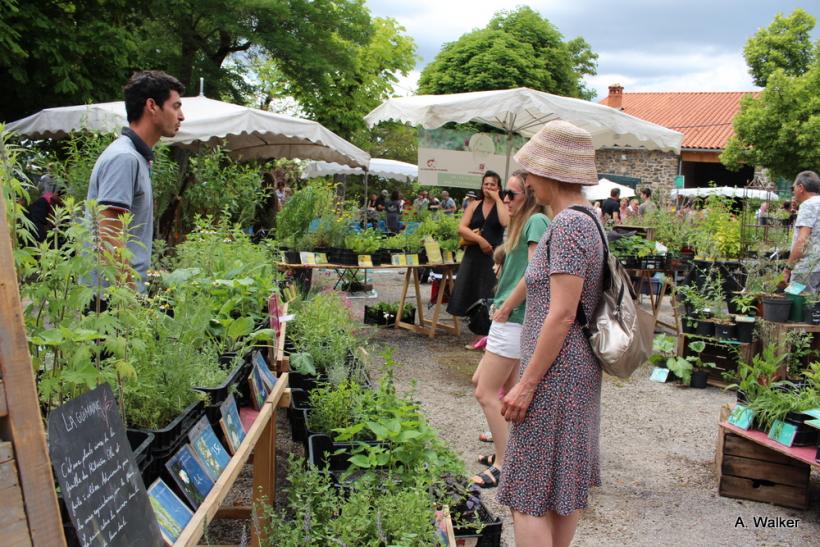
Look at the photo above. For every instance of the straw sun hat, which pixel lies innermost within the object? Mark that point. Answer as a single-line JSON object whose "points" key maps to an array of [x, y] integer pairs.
{"points": [[560, 151]]}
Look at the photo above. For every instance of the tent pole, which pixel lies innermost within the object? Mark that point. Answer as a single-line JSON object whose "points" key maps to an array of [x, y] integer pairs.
{"points": [[364, 206], [509, 149]]}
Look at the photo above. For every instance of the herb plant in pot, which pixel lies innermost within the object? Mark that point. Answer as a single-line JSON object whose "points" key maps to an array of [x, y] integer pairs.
{"points": [[700, 369], [745, 320]]}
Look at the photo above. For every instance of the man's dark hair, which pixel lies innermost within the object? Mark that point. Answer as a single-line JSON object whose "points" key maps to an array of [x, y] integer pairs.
{"points": [[148, 84], [809, 180], [647, 191], [615, 192]]}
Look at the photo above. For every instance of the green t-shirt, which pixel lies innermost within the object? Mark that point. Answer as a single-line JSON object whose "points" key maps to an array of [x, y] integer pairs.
{"points": [[516, 264]]}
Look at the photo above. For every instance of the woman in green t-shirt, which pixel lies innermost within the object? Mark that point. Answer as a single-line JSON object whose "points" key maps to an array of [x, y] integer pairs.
{"points": [[499, 365]]}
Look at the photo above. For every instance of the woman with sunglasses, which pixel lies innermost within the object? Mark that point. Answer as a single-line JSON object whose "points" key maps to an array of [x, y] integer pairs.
{"points": [[499, 366]]}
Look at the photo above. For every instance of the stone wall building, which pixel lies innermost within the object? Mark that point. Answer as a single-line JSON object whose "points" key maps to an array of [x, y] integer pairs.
{"points": [[704, 118]]}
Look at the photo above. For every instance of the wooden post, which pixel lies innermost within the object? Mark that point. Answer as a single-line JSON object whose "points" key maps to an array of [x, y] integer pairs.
{"points": [[23, 424]]}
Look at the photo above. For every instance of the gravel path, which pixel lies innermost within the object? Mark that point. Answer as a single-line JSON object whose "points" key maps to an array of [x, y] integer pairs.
{"points": [[657, 448]]}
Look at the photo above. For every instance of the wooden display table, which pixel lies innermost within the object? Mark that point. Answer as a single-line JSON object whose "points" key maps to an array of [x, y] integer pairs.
{"points": [[753, 467], [645, 277], [428, 327], [261, 440]]}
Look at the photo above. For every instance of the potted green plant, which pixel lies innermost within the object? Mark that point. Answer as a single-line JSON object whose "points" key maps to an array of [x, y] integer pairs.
{"points": [[751, 378], [700, 368], [744, 303]]}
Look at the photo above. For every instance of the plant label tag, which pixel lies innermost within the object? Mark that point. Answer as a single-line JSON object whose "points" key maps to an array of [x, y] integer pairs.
{"points": [[813, 423], [307, 258], [398, 260], [321, 258], [741, 417], [782, 432], [459, 255], [659, 374], [413, 260], [366, 261], [448, 257], [814, 412], [433, 251], [286, 318], [795, 288]]}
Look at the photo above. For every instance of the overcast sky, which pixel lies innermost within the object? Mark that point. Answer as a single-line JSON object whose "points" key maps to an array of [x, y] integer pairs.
{"points": [[645, 45]]}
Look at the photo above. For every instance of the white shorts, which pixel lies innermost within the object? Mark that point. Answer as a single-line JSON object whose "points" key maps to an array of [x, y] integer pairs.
{"points": [[504, 339]]}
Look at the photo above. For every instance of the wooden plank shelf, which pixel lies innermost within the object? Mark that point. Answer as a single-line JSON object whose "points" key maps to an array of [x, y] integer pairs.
{"points": [[261, 439]]}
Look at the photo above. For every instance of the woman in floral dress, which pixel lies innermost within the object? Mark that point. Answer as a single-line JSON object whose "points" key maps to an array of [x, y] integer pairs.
{"points": [[552, 453]]}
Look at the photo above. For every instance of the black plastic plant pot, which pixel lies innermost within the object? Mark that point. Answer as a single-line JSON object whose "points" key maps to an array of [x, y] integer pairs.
{"points": [[699, 378], [690, 325], [726, 331], [776, 309], [298, 380], [292, 257], [347, 257], [175, 434], [322, 451], [805, 435], [490, 534], [741, 397], [745, 331], [812, 313], [140, 442], [705, 328], [217, 395], [296, 414]]}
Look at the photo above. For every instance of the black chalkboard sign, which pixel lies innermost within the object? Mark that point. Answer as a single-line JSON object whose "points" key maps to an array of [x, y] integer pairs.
{"points": [[99, 481]]}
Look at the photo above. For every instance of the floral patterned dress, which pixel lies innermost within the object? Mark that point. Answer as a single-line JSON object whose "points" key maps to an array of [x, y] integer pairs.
{"points": [[552, 455]]}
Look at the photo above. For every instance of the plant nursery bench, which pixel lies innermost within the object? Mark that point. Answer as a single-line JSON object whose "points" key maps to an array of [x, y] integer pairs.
{"points": [[427, 327], [753, 467]]}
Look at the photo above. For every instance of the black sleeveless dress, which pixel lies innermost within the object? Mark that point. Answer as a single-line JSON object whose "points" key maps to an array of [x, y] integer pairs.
{"points": [[475, 279]]}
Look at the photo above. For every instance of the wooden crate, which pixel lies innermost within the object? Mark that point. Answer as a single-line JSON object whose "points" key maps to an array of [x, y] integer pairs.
{"points": [[750, 471]]}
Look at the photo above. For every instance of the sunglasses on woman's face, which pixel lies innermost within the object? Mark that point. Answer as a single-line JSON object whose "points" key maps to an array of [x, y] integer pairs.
{"points": [[504, 194]]}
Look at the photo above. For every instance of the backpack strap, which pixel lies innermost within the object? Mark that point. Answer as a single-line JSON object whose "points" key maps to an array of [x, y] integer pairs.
{"points": [[580, 316]]}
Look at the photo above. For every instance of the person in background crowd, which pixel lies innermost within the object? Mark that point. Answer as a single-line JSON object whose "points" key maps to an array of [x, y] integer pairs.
{"points": [[41, 210], [648, 205], [760, 215], [372, 201], [392, 209], [382, 201], [612, 206], [497, 369], [804, 257], [121, 179], [623, 211], [598, 210], [448, 204], [265, 217], [552, 460], [435, 204], [281, 194], [634, 207], [468, 198], [421, 203], [791, 208], [482, 227]]}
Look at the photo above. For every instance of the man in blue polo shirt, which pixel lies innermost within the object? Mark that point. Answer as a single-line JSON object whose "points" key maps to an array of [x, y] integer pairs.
{"points": [[121, 178]]}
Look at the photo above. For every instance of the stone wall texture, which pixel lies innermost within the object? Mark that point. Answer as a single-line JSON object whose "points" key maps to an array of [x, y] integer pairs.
{"points": [[655, 168]]}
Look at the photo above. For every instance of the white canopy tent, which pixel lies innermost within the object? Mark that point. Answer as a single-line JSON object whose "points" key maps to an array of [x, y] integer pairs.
{"points": [[525, 111], [384, 168], [726, 191], [248, 133], [603, 189]]}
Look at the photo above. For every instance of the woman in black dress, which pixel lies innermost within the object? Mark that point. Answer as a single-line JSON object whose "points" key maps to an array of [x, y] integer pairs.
{"points": [[488, 215]]}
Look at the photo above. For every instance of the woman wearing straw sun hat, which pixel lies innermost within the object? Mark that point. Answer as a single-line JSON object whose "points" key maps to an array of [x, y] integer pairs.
{"points": [[552, 454]]}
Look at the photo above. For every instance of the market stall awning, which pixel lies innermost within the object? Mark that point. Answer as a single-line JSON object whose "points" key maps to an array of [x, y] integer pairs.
{"points": [[525, 111], [379, 167], [248, 133], [604, 187], [726, 191]]}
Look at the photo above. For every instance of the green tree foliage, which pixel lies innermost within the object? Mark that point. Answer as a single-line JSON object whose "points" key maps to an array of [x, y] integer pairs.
{"points": [[56, 52], [518, 48], [786, 44], [339, 98], [780, 130]]}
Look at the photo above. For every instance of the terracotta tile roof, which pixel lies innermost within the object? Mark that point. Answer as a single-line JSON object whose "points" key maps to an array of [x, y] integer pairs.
{"points": [[704, 118]]}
